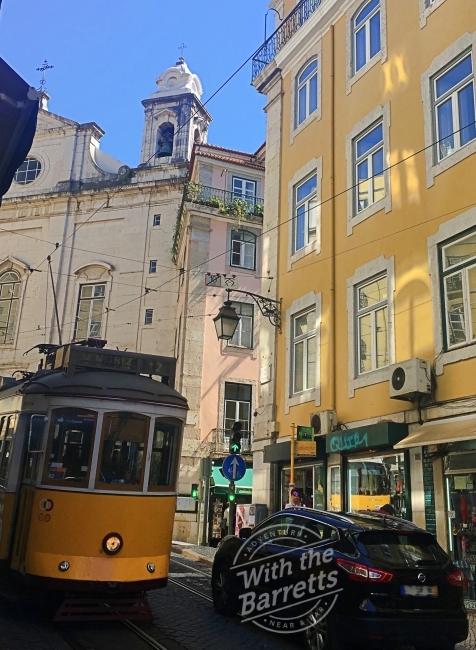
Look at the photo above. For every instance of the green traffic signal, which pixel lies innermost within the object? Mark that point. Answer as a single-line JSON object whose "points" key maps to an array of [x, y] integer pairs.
{"points": [[231, 496], [194, 491], [235, 448]]}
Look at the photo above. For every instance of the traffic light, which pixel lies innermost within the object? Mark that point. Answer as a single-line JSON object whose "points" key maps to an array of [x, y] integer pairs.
{"points": [[231, 494], [235, 439], [194, 492]]}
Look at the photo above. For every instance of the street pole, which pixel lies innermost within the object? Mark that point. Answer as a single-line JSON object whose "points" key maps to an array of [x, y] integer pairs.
{"points": [[231, 510], [206, 505], [291, 482]]}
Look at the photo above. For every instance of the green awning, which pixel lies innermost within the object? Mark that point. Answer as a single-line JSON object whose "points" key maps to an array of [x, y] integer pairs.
{"points": [[372, 436], [221, 481]]}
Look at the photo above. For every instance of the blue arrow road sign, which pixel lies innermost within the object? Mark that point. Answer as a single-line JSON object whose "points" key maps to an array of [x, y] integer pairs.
{"points": [[234, 467]]}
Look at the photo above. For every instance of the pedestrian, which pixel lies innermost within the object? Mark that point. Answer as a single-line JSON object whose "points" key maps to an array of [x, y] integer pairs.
{"points": [[295, 500], [224, 521], [387, 509]]}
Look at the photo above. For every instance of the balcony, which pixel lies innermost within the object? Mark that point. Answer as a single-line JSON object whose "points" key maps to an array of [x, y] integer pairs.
{"points": [[221, 443], [237, 206], [296, 19]]}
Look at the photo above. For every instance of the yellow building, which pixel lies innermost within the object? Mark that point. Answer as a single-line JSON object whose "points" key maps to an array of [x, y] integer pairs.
{"points": [[370, 236]]}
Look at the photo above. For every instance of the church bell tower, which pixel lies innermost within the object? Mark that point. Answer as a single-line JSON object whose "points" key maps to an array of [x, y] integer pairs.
{"points": [[175, 118]]}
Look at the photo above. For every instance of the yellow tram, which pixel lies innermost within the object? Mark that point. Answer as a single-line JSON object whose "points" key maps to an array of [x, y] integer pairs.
{"points": [[89, 455]]}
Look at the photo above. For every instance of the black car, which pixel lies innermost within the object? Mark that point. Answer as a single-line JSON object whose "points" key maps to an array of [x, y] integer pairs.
{"points": [[342, 581]]}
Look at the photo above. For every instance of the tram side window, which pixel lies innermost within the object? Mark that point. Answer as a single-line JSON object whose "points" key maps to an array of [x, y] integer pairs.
{"points": [[6, 435], [164, 454], [69, 447], [124, 437]]}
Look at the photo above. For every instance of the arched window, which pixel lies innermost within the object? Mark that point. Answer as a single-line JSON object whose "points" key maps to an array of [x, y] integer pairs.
{"points": [[366, 33], [243, 249], [9, 299], [306, 92], [165, 140]]}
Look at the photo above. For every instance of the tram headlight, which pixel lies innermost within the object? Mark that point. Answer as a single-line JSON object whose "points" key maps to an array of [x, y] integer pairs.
{"points": [[112, 543], [150, 567], [63, 566]]}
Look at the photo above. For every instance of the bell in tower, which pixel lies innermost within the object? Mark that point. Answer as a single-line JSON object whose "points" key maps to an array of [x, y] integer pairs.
{"points": [[175, 118]]}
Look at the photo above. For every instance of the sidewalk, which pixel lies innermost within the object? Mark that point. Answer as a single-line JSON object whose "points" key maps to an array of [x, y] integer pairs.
{"points": [[203, 554]]}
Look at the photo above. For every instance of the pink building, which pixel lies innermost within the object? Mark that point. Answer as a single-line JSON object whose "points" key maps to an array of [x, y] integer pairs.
{"points": [[218, 247]]}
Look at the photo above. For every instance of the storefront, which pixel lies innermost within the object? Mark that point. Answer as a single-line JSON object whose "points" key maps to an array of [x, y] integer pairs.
{"points": [[450, 447], [219, 498], [365, 472], [309, 473]]}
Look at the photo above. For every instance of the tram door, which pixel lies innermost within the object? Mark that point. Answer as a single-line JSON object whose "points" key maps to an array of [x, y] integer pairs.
{"points": [[27, 479]]}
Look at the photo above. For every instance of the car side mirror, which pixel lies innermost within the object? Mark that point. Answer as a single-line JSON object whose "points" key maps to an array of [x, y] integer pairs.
{"points": [[245, 533]]}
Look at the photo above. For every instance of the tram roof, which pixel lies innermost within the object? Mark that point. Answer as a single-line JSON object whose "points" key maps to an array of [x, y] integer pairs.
{"points": [[98, 385]]}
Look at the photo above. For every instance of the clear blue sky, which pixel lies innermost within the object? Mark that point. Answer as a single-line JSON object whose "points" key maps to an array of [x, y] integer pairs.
{"points": [[108, 53]]}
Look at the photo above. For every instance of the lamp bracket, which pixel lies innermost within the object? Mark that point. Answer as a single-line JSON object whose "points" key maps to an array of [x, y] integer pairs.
{"points": [[271, 309]]}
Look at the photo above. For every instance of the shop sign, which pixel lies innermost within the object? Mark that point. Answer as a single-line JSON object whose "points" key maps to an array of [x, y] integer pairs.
{"points": [[305, 434], [384, 434], [305, 448], [186, 504]]}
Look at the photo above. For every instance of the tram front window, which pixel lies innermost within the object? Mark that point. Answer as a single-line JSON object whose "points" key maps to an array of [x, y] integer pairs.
{"points": [[164, 454], [69, 447], [124, 436]]}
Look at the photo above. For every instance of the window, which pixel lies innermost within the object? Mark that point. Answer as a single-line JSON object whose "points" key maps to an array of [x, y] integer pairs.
{"points": [[9, 300], [305, 217], [244, 189], [237, 406], [372, 325], [304, 352], [366, 28], [165, 448], [243, 335], [369, 167], [165, 140], [454, 107], [28, 171], [6, 440], [306, 92], [90, 311], [458, 272], [69, 449], [123, 440], [149, 314], [243, 249], [157, 218], [153, 266]]}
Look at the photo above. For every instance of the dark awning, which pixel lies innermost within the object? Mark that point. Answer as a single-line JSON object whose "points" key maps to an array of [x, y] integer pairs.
{"points": [[373, 436], [18, 114]]}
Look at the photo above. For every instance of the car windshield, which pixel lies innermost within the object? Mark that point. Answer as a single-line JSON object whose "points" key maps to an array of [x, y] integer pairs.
{"points": [[404, 550]]}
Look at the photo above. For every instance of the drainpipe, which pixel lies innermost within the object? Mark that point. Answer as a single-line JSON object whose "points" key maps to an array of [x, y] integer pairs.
{"points": [[332, 291]]}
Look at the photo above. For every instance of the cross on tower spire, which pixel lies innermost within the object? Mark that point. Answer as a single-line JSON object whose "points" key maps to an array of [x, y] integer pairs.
{"points": [[46, 66], [182, 48]]}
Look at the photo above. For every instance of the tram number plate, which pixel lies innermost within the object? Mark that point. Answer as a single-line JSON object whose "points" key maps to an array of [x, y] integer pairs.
{"points": [[417, 590]]}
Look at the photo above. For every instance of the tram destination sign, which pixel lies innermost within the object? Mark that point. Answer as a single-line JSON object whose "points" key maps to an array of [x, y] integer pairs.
{"points": [[71, 357]]}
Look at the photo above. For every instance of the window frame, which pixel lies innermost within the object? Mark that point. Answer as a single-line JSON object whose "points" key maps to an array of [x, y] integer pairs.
{"points": [[306, 84], [377, 267], [78, 305], [148, 317], [300, 306], [365, 25], [368, 157], [452, 94], [152, 267], [443, 62], [309, 198], [150, 450], [361, 312], [237, 402], [427, 7], [352, 75], [243, 196], [38, 168], [313, 167], [297, 340], [242, 242], [11, 325], [156, 221], [362, 128], [240, 345]]}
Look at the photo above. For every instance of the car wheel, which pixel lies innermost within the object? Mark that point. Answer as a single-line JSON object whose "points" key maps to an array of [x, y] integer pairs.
{"points": [[321, 634], [224, 600]]}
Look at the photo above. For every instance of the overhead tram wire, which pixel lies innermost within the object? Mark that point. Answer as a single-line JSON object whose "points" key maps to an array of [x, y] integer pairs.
{"points": [[440, 216], [122, 185]]}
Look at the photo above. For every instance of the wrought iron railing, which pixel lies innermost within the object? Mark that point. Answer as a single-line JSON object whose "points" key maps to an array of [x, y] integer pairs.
{"points": [[296, 19], [233, 204], [221, 441]]}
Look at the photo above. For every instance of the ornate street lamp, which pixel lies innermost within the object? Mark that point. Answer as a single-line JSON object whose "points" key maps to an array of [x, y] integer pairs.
{"points": [[226, 321]]}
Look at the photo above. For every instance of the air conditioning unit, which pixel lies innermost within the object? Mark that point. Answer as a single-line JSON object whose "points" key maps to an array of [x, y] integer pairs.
{"points": [[323, 422], [410, 379]]}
